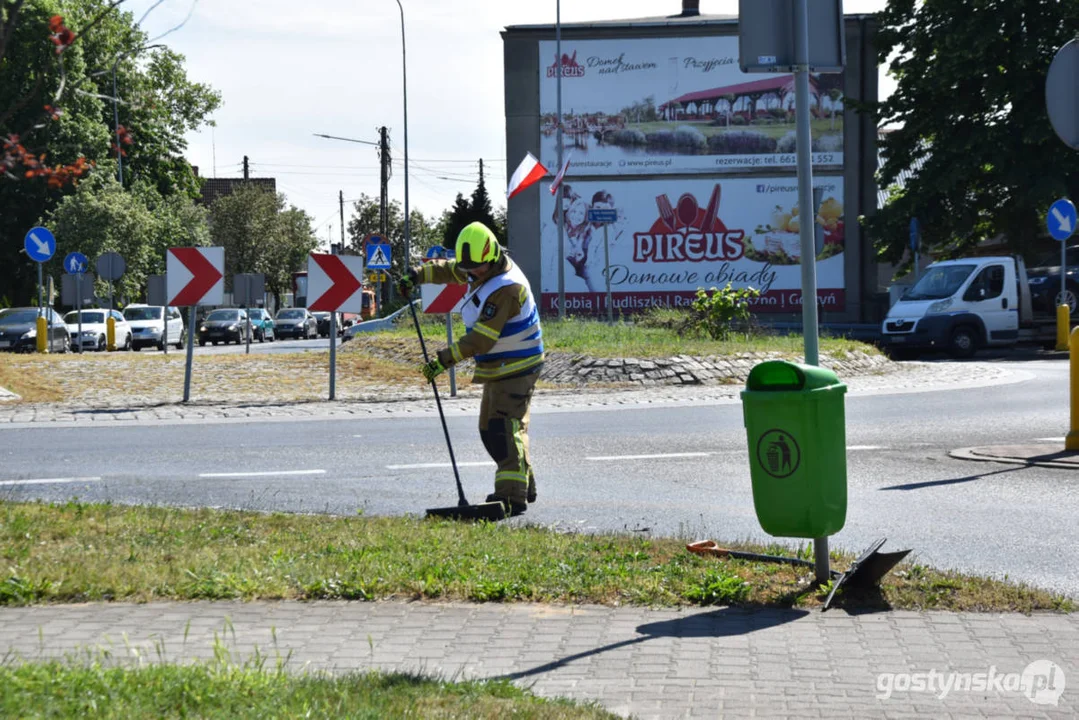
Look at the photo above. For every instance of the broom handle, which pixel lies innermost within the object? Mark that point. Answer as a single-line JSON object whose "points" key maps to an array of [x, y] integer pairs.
{"points": [[453, 461]]}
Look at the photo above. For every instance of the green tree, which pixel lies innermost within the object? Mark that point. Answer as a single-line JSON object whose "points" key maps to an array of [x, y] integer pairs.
{"points": [[101, 217], [63, 117], [481, 210], [459, 216], [970, 106]]}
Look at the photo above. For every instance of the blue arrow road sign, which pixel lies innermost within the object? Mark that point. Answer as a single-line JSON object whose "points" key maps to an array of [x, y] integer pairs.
{"points": [[437, 252], [378, 257], [76, 263], [602, 215], [1061, 219], [915, 234], [40, 244]]}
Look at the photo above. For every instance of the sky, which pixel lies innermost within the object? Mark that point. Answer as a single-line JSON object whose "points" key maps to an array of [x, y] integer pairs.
{"points": [[287, 70]]}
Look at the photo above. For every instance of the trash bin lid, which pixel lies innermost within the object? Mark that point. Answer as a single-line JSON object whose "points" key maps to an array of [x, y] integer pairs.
{"points": [[780, 375]]}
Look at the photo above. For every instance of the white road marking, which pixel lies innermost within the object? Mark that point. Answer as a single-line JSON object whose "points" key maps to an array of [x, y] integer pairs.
{"points": [[1056, 439], [270, 473], [650, 457], [49, 481], [866, 447], [424, 466]]}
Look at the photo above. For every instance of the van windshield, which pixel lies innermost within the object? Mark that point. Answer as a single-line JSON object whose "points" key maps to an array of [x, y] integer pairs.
{"points": [[939, 282]]}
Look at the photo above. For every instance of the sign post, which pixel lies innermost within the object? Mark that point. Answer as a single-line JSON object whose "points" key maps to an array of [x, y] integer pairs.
{"points": [[437, 252], [111, 267], [76, 264], [1061, 222], [194, 276], [335, 284], [773, 36], [915, 241], [377, 253], [605, 216], [40, 245]]}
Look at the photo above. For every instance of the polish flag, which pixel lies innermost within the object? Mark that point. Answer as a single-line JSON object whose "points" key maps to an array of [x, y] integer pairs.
{"points": [[561, 174], [529, 171]]}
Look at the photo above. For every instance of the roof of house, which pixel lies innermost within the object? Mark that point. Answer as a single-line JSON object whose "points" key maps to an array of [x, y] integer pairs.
{"points": [[901, 180], [214, 188], [782, 82]]}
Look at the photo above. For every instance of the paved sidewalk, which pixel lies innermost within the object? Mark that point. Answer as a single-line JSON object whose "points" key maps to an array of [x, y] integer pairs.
{"points": [[1037, 454], [648, 663]]}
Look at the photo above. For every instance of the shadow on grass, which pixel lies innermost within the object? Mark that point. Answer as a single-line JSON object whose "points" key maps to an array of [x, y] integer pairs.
{"points": [[725, 622]]}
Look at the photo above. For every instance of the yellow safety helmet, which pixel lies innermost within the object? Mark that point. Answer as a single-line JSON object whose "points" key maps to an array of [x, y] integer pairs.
{"points": [[476, 244]]}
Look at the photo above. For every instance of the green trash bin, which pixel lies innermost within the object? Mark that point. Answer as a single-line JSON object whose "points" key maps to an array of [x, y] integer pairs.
{"points": [[795, 425]]}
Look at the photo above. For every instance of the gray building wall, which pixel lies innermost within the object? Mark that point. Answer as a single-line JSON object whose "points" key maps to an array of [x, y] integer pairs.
{"points": [[864, 299]]}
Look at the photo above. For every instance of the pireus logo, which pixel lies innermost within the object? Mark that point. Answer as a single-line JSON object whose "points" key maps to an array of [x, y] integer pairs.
{"points": [[763, 189]]}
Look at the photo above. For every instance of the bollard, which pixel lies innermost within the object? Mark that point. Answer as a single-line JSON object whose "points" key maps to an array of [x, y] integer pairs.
{"points": [[110, 333], [1071, 442], [42, 335], [1063, 324]]}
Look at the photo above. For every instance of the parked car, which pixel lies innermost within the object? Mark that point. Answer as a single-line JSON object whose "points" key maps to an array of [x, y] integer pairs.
{"points": [[1045, 291], [148, 326], [323, 320], [95, 329], [297, 323], [18, 330], [262, 325], [224, 325]]}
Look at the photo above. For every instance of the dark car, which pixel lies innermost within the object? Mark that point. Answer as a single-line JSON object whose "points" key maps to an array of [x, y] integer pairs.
{"points": [[224, 325], [297, 323], [1045, 291], [18, 330], [323, 319]]}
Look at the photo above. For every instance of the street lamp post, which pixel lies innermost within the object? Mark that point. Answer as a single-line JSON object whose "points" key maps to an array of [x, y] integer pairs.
{"points": [[116, 110], [404, 91]]}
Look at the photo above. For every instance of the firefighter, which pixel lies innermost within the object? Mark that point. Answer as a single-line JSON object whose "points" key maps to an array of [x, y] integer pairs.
{"points": [[504, 336]]}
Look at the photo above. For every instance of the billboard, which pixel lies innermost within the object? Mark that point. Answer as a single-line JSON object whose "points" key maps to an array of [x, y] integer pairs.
{"points": [[673, 236], [675, 105]]}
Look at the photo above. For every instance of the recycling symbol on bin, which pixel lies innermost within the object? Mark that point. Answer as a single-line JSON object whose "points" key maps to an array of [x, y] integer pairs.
{"points": [[778, 453]]}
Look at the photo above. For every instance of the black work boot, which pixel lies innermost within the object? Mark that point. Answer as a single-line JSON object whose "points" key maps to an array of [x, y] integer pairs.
{"points": [[513, 507], [531, 488]]}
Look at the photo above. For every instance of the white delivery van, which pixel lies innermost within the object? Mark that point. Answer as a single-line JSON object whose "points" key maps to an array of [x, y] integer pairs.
{"points": [[959, 306]]}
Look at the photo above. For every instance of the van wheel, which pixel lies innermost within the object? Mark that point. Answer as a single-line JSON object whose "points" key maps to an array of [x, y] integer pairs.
{"points": [[964, 343]]}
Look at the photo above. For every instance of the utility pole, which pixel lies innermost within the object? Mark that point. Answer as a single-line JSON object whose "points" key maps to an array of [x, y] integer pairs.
{"points": [[384, 157], [247, 169], [341, 196]]}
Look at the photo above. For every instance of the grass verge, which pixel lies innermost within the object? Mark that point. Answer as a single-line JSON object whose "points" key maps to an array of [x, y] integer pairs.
{"points": [[627, 339], [221, 689], [76, 552]]}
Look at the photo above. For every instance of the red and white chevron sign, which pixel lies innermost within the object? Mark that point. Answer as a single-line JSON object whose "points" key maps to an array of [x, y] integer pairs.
{"points": [[195, 276], [441, 299], [335, 283]]}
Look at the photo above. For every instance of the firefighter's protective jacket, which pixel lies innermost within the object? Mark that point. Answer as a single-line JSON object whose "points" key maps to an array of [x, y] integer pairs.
{"points": [[501, 318]]}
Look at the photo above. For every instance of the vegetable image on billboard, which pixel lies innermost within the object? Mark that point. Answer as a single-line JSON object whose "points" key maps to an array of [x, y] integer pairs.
{"points": [[674, 236], [672, 105]]}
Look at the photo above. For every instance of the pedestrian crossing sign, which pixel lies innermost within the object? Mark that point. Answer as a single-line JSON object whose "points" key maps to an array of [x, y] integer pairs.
{"points": [[378, 257]]}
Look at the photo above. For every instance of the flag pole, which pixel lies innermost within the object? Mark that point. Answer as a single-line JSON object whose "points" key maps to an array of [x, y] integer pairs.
{"points": [[558, 195]]}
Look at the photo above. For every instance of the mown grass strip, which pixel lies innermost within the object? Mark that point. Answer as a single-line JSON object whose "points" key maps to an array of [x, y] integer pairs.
{"points": [[76, 552], [227, 691]]}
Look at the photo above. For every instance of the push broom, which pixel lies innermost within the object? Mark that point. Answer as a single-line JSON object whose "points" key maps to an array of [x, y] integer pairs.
{"points": [[462, 510]]}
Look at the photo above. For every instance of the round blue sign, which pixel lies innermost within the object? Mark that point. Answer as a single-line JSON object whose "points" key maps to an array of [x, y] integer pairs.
{"points": [[40, 244], [1061, 219], [76, 263]]}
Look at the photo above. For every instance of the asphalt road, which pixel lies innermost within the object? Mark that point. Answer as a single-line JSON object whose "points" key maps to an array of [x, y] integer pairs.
{"points": [[664, 471]]}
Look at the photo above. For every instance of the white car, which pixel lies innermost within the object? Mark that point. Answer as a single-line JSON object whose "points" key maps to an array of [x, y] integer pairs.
{"points": [[95, 330], [147, 326]]}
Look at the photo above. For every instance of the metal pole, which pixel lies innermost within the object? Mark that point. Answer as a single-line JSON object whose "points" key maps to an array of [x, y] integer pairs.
{"points": [[190, 353], [449, 343], [333, 346], [78, 308], [404, 89], [805, 201], [558, 195], [1063, 272], [40, 294], [607, 273]]}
